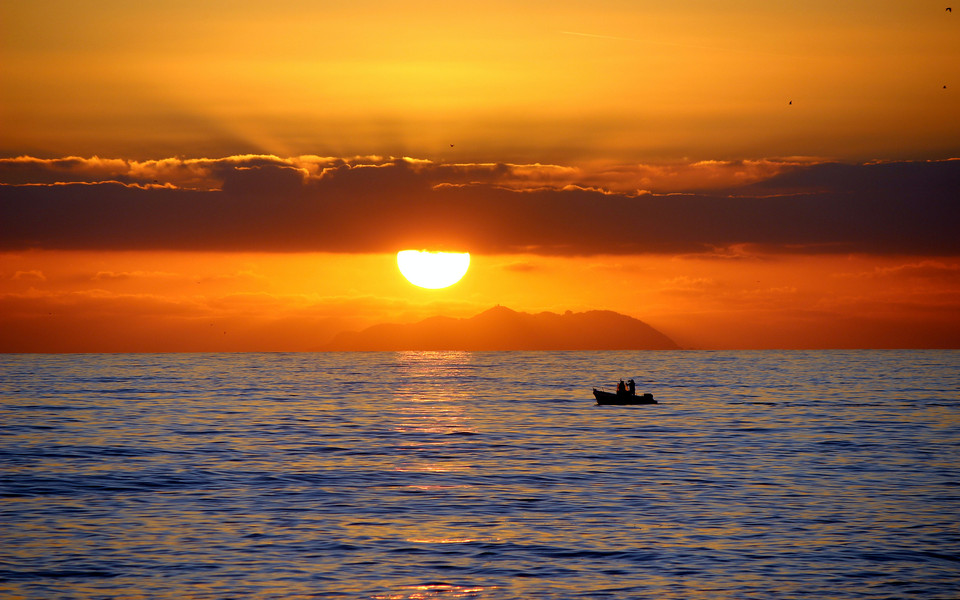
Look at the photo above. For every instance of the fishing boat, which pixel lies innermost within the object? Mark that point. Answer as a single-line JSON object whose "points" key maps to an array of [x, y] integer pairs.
{"points": [[622, 399]]}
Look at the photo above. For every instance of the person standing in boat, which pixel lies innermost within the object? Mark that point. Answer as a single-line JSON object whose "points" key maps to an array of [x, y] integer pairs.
{"points": [[621, 389], [632, 388]]}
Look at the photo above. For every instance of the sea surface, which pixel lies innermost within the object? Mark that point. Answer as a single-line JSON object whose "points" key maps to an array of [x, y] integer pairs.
{"points": [[825, 475]]}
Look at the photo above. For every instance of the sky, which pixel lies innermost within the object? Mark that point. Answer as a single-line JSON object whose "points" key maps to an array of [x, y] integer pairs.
{"points": [[230, 176]]}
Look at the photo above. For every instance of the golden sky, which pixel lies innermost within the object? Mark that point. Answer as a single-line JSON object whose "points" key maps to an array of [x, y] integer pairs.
{"points": [[239, 175], [546, 81]]}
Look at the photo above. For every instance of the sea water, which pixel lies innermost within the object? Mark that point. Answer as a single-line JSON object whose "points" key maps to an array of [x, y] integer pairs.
{"points": [[480, 475]]}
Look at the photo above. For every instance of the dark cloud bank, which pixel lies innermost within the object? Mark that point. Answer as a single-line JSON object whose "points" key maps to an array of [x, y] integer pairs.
{"points": [[888, 208]]}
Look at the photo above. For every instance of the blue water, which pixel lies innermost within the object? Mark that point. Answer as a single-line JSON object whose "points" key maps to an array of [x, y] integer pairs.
{"points": [[480, 475]]}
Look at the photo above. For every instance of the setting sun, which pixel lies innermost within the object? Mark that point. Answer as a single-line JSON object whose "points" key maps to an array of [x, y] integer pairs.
{"points": [[433, 270]]}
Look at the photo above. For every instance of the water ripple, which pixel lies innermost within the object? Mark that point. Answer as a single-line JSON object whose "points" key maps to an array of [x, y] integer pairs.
{"points": [[828, 475]]}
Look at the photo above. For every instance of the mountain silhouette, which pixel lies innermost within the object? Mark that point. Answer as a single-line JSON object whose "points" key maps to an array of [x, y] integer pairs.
{"points": [[501, 328]]}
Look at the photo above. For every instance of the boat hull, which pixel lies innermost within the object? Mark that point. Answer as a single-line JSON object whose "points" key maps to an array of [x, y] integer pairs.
{"points": [[622, 399]]}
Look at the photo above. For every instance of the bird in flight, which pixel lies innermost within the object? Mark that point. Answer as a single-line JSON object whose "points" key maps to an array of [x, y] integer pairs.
{"points": [[949, 9]]}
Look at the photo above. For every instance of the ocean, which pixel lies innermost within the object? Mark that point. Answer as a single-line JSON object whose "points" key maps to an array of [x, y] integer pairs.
{"points": [[768, 474]]}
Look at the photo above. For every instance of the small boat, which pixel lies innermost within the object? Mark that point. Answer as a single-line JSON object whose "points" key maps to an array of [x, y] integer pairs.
{"points": [[622, 399]]}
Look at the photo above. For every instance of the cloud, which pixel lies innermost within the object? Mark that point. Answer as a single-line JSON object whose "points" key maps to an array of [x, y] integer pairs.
{"points": [[368, 204], [31, 275], [199, 173], [132, 275], [918, 271], [685, 285], [27, 169], [522, 267], [917, 177], [209, 174]]}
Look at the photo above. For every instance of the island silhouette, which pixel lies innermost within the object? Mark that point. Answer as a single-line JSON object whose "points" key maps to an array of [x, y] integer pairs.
{"points": [[501, 328]]}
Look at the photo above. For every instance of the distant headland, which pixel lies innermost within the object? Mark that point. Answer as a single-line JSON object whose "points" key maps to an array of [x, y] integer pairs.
{"points": [[501, 328]]}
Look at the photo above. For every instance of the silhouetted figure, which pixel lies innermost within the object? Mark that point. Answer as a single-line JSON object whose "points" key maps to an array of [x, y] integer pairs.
{"points": [[632, 388], [621, 389], [949, 9]]}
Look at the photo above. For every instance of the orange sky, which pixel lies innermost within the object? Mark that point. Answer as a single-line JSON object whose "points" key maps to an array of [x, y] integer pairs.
{"points": [[555, 81], [739, 175]]}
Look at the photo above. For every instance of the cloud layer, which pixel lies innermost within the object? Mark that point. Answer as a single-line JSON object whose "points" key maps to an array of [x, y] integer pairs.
{"points": [[372, 204]]}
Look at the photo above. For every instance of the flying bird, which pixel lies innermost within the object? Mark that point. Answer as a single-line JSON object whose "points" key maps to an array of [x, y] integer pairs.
{"points": [[949, 9]]}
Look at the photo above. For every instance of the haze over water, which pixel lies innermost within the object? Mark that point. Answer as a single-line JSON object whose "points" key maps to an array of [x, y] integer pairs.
{"points": [[480, 475]]}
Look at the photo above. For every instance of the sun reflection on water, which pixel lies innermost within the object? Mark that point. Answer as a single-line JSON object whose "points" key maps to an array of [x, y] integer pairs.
{"points": [[437, 590], [431, 412], [441, 540]]}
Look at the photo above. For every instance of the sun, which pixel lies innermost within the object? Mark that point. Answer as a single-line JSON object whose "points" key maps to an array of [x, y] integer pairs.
{"points": [[433, 270]]}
